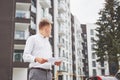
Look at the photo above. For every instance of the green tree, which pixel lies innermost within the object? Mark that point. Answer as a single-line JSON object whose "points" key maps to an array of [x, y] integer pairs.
{"points": [[108, 42]]}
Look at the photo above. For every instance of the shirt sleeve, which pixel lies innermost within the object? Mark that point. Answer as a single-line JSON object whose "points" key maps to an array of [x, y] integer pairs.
{"points": [[27, 54]]}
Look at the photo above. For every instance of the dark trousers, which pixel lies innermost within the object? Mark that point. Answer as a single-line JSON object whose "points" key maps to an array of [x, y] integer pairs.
{"points": [[40, 74]]}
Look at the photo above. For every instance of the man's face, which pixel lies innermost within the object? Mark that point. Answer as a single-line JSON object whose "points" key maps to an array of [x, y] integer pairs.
{"points": [[48, 29]]}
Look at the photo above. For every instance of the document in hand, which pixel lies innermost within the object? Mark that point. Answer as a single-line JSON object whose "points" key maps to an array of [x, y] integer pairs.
{"points": [[53, 60]]}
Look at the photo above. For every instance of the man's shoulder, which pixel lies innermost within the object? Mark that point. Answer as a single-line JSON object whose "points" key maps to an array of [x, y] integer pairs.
{"points": [[32, 36]]}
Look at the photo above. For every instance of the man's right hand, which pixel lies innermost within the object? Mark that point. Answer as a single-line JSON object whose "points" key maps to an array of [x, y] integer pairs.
{"points": [[40, 60]]}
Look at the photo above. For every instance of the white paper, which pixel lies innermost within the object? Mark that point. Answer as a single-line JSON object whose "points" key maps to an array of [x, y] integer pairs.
{"points": [[53, 60]]}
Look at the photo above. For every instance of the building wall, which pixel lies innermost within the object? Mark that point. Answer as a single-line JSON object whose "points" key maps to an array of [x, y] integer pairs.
{"points": [[6, 38], [85, 51], [77, 48], [94, 66], [62, 38]]}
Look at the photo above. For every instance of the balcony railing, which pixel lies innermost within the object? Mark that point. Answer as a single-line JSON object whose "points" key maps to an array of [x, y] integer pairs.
{"points": [[61, 18], [19, 35], [22, 14], [45, 3], [61, 32], [60, 44]]}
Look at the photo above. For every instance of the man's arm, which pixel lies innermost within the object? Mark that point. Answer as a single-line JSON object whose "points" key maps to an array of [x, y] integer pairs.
{"points": [[27, 57]]}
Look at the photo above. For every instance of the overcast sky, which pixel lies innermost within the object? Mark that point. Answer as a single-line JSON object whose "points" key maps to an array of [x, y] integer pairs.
{"points": [[86, 10]]}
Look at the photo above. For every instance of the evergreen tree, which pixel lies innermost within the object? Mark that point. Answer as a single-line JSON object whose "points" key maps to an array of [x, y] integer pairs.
{"points": [[108, 43]]}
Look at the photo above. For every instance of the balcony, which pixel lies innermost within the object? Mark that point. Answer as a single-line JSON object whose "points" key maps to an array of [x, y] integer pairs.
{"points": [[61, 7], [45, 3], [19, 47], [22, 16], [24, 1], [60, 45], [49, 17], [61, 18], [21, 31], [61, 32], [33, 9], [23, 6]]}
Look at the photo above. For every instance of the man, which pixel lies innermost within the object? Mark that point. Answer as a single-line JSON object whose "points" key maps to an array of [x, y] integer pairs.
{"points": [[37, 51]]}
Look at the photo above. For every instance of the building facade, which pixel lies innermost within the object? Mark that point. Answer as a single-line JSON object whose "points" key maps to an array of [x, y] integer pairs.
{"points": [[21, 18], [62, 39], [25, 26], [85, 51], [77, 48], [95, 68]]}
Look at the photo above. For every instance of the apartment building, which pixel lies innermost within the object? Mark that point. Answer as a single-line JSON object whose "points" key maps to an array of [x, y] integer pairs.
{"points": [[62, 39], [95, 68], [77, 48], [20, 19], [85, 51], [25, 26]]}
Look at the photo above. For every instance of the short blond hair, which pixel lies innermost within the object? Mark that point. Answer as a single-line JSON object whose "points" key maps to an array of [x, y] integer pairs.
{"points": [[44, 22]]}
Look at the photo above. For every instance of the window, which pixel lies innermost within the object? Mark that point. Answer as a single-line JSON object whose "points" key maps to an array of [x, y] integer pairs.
{"points": [[63, 66], [43, 12], [103, 71], [92, 47], [63, 53], [94, 72], [93, 55], [93, 63], [59, 52], [19, 34], [92, 32], [22, 14], [102, 63], [92, 39], [17, 57], [59, 38]]}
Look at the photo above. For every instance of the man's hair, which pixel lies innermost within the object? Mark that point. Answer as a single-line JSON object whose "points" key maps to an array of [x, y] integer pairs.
{"points": [[43, 23]]}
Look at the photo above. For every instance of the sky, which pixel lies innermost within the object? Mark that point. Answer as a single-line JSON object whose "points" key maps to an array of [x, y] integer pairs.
{"points": [[86, 10]]}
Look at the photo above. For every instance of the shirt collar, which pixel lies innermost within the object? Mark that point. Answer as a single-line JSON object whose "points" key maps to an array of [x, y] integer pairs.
{"points": [[42, 36]]}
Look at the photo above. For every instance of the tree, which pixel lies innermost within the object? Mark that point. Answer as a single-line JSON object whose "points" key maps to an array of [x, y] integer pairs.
{"points": [[108, 42]]}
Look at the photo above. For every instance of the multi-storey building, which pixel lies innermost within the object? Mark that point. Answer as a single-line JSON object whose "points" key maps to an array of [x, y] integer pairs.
{"points": [[20, 19], [25, 25], [85, 51], [77, 55], [62, 39], [95, 68]]}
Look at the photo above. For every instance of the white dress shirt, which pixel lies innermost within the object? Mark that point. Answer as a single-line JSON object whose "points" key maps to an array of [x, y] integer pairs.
{"points": [[37, 46]]}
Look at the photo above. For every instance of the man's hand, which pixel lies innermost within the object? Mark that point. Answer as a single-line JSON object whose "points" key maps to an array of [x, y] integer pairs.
{"points": [[40, 60], [58, 63]]}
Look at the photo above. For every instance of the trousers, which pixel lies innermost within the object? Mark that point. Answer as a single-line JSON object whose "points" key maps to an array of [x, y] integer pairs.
{"points": [[39, 74]]}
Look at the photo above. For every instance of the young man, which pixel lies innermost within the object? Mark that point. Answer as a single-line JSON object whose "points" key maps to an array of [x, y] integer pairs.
{"points": [[37, 51]]}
